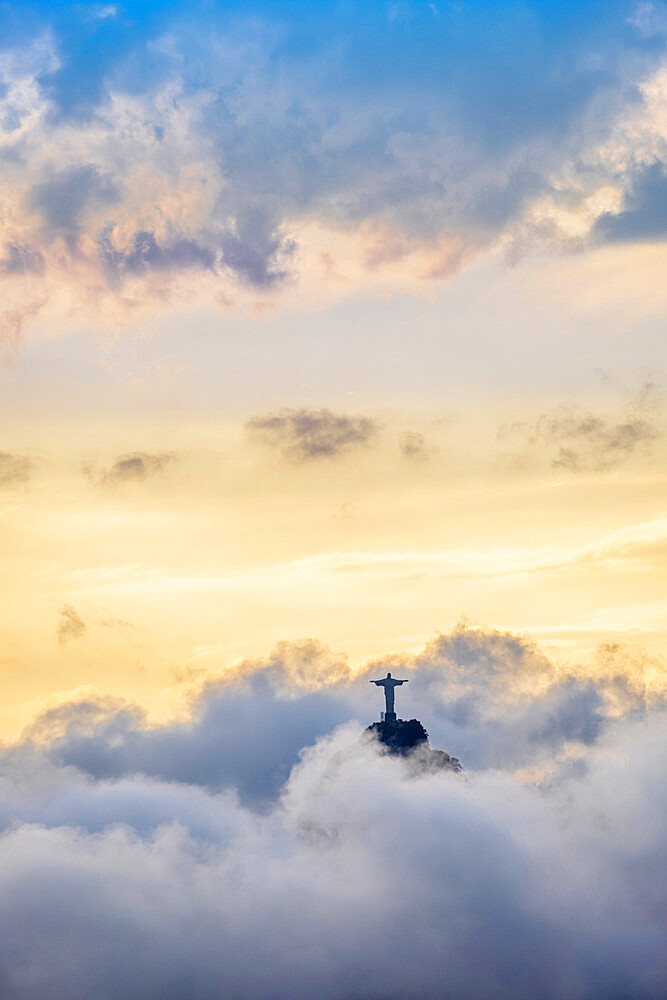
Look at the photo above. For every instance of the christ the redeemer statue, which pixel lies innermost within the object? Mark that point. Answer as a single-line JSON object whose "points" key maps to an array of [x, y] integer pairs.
{"points": [[389, 683]]}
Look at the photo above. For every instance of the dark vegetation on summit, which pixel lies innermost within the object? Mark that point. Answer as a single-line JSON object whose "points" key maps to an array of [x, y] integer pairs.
{"points": [[410, 739]]}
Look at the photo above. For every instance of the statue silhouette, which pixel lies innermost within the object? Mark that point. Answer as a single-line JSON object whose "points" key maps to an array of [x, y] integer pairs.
{"points": [[389, 683]]}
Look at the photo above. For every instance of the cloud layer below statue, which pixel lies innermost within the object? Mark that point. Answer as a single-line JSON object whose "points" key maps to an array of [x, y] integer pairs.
{"points": [[245, 850]]}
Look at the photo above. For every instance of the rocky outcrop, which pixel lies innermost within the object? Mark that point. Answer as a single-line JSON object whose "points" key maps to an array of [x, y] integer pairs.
{"points": [[410, 740]]}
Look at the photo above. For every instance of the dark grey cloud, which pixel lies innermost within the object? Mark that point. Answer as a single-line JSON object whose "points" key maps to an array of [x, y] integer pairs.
{"points": [[577, 715], [415, 447], [644, 216], [246, 732], [135, 466], [14, 468], [252, 250], [67, 195], [70, 625], [20, 259], [306, 435], [594, 444], [598, 444], [581, 441], [144, 253], [256, 252]]}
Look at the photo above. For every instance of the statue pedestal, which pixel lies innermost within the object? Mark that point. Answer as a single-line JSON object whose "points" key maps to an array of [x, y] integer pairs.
{"points": [[388, 716]]}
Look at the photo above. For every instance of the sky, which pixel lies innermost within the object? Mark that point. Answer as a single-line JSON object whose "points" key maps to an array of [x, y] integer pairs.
{"points": [[332, 338]]}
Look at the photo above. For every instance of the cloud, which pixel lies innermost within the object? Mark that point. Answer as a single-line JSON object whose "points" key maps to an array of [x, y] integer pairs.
{"points": [[650, 18], [14, 468], [498, 702], [645, 214], [256, 252], [415, 447], [102, 10], [251, 251], [135, 466], [143, 253], [70, 625], [176, 155], [307, 435], [360, 875], [578, 440], [64, 198], [599, 445], [13, 324], [246, 732], [491, 698], [251, 850], [21, 259]]}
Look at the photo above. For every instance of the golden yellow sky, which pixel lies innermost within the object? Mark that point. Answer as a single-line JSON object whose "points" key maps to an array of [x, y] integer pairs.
{"points": [[143, 571], [284, 362]]}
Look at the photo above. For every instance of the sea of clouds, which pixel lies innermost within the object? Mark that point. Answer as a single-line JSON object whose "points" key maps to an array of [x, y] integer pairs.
{"points": [[262, 849]]}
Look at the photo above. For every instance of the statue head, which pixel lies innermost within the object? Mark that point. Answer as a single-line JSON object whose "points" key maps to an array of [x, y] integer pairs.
{"points": [[388, 674]]}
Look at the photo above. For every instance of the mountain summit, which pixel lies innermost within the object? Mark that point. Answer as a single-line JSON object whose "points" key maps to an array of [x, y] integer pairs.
{"points": [[410, 739]]}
